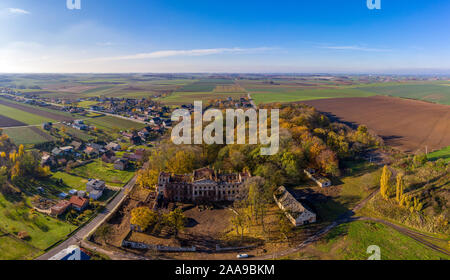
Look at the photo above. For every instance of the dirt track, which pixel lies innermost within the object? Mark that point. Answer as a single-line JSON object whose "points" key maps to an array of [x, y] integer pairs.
{"points": [[407, 124], [36, 111]]}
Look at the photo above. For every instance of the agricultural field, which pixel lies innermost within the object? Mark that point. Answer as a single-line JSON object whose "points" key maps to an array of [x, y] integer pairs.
{"points": [[178, 98], [350, 242], [436, 92], [8, 122], [409, 125], [444, 154], [110, 123], [285, 96], [28, 135], [205, 85], [22, 116], [104, 171]]}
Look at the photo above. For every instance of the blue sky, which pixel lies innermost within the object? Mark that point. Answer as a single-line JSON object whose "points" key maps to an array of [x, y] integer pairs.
{"points": [[225, 36]]}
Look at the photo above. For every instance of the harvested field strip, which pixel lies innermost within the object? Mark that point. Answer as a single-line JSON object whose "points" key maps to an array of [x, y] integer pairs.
{"points": [[410, 125], [47, 114], [22, 116], [8, 122], [27, 135]]}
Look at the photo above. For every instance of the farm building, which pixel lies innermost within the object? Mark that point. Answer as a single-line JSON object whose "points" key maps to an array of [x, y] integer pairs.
{"points": [[319, 180], [294, 210]]}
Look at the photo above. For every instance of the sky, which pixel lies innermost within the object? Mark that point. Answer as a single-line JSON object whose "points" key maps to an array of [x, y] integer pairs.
{"points": [[314, 36]]}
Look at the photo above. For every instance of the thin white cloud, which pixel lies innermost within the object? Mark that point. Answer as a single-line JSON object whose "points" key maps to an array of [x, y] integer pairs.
{"points": [[355, 48], [193, 52], [17, 11]]}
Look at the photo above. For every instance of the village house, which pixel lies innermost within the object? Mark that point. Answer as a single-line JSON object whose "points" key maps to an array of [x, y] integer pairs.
{"points": [[76, 145], [79, 203], [109, 157], [121, 164], [60, 208], [203, 185], [95, 188], [293, 209], [113, 146], [90, 151]]}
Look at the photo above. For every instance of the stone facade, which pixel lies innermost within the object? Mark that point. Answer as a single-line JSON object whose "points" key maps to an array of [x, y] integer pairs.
{"points": [[203, 185]]}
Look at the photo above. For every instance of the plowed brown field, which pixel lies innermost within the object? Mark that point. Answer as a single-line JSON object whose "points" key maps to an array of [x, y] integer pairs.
{"points": [[407, 124]]}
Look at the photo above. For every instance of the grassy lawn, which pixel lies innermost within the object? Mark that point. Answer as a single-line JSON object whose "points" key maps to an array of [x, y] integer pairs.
{"points": [[105, 172], [22, 116], [350, 242], [74, 182], [43, 230], [444, 154], [26, 135], [12, 249]]}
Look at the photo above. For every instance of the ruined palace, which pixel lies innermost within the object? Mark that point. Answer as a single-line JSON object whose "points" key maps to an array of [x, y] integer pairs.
{"points": [[203, 185]]}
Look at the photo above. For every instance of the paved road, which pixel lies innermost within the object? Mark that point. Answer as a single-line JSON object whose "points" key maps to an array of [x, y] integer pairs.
{"points": [[83, 232]]}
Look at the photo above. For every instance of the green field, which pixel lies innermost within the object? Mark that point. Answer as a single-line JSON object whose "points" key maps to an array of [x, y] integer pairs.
{"points": [[22, 116], [104, 171], [43, 230], [13, 249], [205, 85], [350, 242], [73, 182], [444, 154], [26, 135], [113, 123], [178, 98], [436, 92]]}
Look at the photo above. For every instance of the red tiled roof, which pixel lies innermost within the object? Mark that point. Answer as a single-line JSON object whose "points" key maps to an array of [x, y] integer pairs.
{"points": [[78, 201]]}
